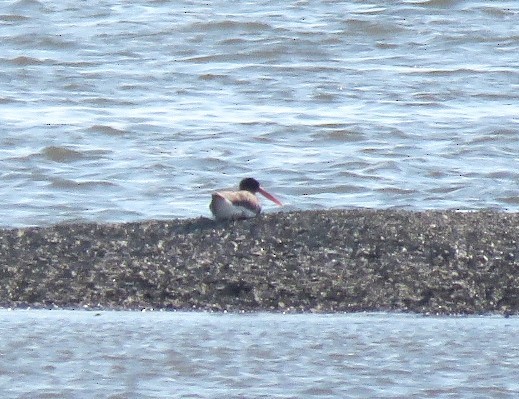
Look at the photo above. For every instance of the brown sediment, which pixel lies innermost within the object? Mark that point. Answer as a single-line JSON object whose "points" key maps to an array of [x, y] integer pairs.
{"points": [[438, 262]]}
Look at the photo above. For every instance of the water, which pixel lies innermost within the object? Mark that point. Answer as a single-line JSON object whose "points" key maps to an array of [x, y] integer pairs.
{"points": [[123, 111], [74, 354]]}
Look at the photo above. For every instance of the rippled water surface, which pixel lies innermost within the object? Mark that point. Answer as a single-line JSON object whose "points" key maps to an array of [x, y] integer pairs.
{"points": [[118, 111], [74, 354]]}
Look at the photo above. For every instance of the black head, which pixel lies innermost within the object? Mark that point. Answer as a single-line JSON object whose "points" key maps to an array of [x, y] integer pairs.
{"points": [[250, 184]]}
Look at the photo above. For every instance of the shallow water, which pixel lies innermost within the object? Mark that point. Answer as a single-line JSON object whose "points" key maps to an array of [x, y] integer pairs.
{"points": [[75, 354], [118, 111]]}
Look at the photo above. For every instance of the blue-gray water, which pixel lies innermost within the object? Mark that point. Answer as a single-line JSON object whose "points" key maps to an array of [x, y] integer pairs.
{"points": [[122, 111], [74, 354]]}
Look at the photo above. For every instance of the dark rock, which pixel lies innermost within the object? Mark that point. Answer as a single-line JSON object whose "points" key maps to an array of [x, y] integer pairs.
{"points": [[322, 261]]}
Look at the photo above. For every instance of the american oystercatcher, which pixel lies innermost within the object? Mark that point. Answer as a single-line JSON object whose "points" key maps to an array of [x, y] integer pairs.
{"points": [[241, 204]]}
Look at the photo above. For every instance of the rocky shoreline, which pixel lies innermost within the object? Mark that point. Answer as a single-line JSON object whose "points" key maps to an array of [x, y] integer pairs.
{"points": [[312, 261]]}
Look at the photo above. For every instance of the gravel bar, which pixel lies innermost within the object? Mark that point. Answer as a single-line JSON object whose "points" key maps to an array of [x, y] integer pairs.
{"points": [[432, 262]]}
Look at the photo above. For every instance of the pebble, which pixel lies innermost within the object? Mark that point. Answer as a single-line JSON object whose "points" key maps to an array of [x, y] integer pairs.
{"points": [[431, 262]]}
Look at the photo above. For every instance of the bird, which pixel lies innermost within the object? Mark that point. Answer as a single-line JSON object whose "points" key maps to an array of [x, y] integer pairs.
{"points": [[241, 204]]}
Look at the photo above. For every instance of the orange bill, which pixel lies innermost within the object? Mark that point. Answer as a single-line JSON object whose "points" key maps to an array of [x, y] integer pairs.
{"points": [[266, 194]]}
